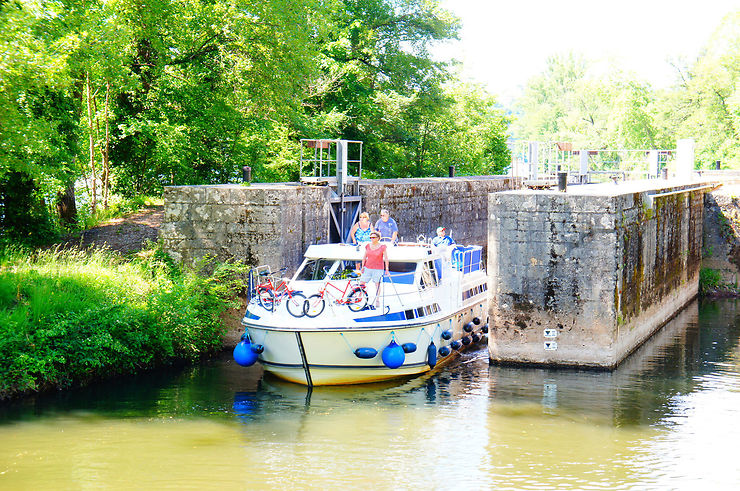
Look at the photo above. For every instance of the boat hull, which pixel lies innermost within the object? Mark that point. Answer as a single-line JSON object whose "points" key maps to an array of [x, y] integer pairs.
{"points": [[326, 356]]}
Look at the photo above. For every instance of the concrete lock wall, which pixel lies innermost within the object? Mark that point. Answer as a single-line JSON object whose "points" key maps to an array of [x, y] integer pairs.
{"points": [[583, 278], [261, 224], [421, 205], [275, 223]]}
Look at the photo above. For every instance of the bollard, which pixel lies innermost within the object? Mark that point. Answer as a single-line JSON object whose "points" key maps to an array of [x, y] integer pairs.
{"points": [[246, 174], [562, 181], [452, 171]]}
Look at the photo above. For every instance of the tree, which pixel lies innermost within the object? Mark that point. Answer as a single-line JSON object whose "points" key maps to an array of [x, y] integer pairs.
{"points": [[550, 97], [574, 100], [708, 108], [132, 95], [377, 72]]}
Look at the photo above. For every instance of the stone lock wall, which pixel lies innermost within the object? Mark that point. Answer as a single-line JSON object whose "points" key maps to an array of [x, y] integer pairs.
{"points": [[260, 224], [275, 223], [583, 279], [421, 205], [721, 251]]}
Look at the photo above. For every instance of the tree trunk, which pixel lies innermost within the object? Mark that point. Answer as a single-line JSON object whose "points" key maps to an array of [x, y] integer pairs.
{"points": [[92, 144], [106, 167], [422, 150], [66, 206]]}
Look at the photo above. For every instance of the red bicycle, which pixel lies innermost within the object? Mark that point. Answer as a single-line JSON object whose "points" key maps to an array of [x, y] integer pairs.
{"points": [[354, 296], [274, 288]]}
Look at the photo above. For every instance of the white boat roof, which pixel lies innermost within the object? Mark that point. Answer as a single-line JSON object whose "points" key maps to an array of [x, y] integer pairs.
{"points": [[402, 252]]}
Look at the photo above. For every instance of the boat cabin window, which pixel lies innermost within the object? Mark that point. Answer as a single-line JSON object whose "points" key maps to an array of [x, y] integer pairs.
{"points": [[315, 269], [402, 273], [395, 267], [345, 270], [428, 275]]}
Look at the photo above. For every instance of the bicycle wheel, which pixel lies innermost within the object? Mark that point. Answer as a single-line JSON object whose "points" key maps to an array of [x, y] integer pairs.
{"points": [[357, 300], [314, 305], [266, 298], [295, 304]]}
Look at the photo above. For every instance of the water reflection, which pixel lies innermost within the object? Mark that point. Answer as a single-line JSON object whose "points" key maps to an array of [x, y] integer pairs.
{"points": [[466, 425]]}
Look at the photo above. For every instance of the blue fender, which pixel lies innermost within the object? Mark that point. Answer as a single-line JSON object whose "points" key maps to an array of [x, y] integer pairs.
{"points": [[432, 355], [408, 347], [393, 355], [244, 355], [366, 353]]}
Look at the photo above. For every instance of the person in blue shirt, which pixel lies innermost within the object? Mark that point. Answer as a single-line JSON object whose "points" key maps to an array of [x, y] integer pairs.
{"points": [[442, 239], [387, 226], [360, 231]]}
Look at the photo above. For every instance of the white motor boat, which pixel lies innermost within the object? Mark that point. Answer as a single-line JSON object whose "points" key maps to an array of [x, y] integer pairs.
{"points": [[322, 327]]}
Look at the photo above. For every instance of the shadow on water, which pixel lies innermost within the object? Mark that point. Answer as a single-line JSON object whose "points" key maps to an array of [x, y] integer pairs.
{"points": [[702, 340]]}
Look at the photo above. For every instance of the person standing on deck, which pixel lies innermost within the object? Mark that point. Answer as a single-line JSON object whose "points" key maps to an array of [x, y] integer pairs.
{"points": [[360, 231], [373, 260], [387, 226]]}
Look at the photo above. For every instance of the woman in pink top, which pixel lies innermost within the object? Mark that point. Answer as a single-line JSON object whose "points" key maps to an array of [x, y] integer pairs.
{"points": [[375, 257]]}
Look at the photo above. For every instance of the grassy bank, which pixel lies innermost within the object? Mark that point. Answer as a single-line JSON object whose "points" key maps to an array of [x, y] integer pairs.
{"points": [[67, 318]]}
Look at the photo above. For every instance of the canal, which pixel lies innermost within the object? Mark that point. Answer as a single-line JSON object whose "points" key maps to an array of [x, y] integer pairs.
{"points": [[666, 419]]}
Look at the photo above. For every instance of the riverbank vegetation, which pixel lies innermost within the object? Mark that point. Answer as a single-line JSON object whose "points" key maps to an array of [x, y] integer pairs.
{"points": [[70, 317]]}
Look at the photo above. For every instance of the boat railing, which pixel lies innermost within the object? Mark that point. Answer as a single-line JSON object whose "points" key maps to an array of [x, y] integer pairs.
{"points": [[467, 259], [416, 293], [262, 275], [255, 278]]}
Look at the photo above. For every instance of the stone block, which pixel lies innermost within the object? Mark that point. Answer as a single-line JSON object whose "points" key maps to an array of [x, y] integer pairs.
{"points": [[508, 224], [605, 221], [598, 204]]}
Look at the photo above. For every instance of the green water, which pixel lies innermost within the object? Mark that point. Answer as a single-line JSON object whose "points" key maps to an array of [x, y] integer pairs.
{"points": [[666, 419]]}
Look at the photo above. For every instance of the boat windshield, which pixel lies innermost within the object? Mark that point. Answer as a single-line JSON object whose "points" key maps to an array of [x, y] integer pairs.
{"points": [[315, 269]]}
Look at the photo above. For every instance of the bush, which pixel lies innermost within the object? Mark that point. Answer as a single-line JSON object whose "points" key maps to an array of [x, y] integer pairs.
{"points": [[709, 280], [70, 317], [24, 214]]}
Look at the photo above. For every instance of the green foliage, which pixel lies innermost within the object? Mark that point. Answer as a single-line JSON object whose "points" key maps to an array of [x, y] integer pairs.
{"points": [[24, 216], [574, 101], [709, 280], [189, 91], [70, 317], [707, 107]]}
